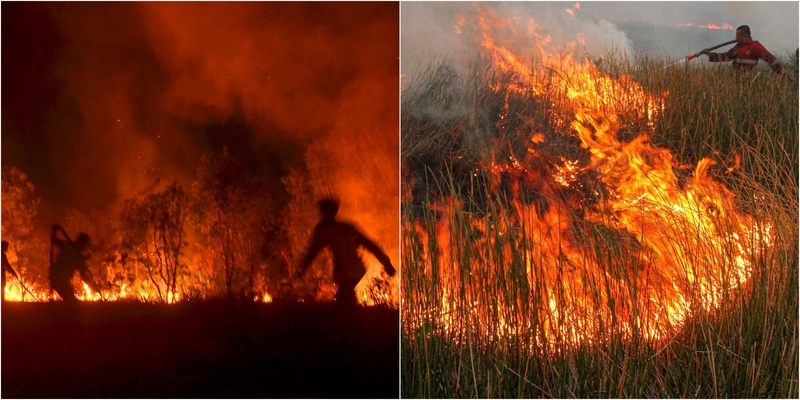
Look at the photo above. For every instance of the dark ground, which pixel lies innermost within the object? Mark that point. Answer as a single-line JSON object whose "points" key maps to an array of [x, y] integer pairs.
{"points": [[198, 350]]}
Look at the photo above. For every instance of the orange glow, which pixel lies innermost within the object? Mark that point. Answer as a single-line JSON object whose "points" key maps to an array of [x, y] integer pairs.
{"points": [[571, 11], [15, 293], [142, 291]]}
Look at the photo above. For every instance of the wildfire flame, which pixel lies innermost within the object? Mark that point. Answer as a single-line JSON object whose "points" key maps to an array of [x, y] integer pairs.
{"points": [[644, 251], [16, 292], [571, 11], [582, 83], [195, 283], [725, 26]]}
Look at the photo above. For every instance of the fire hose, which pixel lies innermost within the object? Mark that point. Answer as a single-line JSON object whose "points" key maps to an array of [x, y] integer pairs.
{"points": [[26, 288], [695, 55]]}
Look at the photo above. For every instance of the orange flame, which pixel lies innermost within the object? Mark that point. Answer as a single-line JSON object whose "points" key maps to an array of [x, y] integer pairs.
{"points": [[571, 11], [725, 26], [649, 251], [584, 86], [15, 292]]}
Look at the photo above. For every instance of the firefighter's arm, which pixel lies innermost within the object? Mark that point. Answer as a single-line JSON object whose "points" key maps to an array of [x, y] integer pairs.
{"points": [[7, 267], [379, 254], [56, 241], [773, 61], [55, 229]]}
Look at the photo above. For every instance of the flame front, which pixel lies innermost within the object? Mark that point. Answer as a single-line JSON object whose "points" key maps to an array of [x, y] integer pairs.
{"points": [[16, 292], [724, 26], [580, 83], [636, 254]]}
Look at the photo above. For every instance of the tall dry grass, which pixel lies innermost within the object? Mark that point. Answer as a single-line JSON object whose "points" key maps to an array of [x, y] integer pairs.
{"points": [[491, 339]]}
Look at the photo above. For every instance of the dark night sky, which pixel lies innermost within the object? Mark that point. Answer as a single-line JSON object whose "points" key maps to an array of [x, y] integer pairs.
{"points": [[100, 99]]}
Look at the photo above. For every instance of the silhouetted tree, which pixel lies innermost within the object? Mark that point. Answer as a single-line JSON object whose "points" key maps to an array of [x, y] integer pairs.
{"points": [[234, 211], [152, 230], [20, 208], [20, 205]]}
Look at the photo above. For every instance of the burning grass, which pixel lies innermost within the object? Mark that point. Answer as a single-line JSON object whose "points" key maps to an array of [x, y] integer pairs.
{"points": [[588, 229]]}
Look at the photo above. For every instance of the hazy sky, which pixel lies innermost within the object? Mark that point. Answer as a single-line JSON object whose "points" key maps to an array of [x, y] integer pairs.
{"points": [[428, 28]]}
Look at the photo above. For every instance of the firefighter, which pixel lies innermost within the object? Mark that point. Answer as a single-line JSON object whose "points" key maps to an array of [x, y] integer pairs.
{"points": [[6, 268], [72, 256], [746, 53], [343, 240]]}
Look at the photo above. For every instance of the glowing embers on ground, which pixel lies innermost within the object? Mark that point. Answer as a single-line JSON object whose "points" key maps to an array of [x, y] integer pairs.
{"points": [[16, 292], [368, 292]]}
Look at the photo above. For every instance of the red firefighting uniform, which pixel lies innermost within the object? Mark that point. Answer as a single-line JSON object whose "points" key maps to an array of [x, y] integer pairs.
{"points": [[746, 56]]}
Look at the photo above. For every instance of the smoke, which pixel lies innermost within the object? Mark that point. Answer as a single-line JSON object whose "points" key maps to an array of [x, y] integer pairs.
{"points": [[449, 30], [139, 91], [774, 24], [658, 29]]}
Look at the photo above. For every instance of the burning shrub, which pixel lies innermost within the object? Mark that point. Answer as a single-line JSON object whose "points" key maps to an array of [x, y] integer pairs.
{"points": [[152, 227]]}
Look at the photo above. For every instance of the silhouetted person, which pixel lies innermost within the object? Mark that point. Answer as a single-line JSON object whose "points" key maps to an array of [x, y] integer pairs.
{"points": [[72, 257], [6, 268], [343, 240]]}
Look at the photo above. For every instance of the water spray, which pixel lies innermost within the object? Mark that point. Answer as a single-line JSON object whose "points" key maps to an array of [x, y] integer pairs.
{"points": [[695, 55]]}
